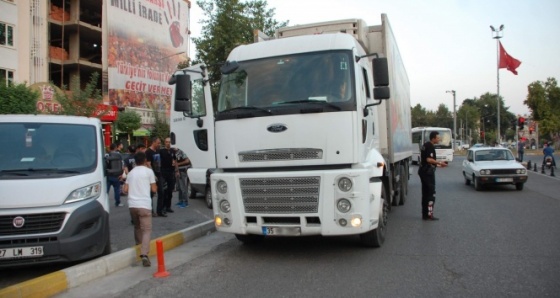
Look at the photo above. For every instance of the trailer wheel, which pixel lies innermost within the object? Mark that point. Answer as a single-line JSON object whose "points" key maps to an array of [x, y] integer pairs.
{"points": [[208, 197], [403, 188], [376, 237], [249, 238]]}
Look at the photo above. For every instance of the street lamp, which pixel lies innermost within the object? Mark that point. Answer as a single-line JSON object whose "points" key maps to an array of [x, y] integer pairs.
{"points": [[454, 117], [497, 34]]}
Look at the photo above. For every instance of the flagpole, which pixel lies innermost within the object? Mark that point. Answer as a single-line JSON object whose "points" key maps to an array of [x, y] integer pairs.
{"points": [[496, 35]]}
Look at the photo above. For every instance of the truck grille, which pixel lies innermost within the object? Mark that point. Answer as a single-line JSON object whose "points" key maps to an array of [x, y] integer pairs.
{"points": [[281, 195], [34, 224], [281, 154]]}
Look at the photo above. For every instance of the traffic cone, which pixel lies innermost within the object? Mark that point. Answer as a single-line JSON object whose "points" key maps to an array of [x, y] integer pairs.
{"points": [[160, 261]]}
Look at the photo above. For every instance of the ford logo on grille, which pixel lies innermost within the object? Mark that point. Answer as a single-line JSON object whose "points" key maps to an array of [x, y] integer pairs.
{"points": [[277, 127], [18, 222]]}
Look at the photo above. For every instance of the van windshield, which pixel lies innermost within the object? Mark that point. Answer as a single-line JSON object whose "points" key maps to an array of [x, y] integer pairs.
{"points": [[32, 149]]}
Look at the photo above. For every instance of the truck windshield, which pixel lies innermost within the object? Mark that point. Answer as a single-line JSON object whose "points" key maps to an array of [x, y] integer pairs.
{"points": [[32, 149], [286, 84]]}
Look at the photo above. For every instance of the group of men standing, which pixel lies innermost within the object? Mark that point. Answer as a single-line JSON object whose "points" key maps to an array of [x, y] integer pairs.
{"points": [[145, 173]]}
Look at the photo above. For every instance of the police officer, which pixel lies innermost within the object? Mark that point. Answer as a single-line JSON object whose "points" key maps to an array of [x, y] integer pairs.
{"points": [[427, 171]]}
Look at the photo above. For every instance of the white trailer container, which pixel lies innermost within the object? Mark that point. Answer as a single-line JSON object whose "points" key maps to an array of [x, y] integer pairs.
{"points": [[311, 133]]}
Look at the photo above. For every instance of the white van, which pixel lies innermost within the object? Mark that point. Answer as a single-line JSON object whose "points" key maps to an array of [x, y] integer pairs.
{"points": [[53, 199]]}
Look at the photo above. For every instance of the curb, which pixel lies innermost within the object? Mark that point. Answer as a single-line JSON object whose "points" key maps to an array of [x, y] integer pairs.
{"points": [[71, 277]]}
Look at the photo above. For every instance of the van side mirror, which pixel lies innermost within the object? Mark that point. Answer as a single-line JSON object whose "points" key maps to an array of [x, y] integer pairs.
{"points": [[183, 93]]}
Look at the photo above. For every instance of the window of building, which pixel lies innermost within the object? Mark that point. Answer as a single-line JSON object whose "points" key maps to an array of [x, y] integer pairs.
{"points": [[6, 35], [6, 75]]}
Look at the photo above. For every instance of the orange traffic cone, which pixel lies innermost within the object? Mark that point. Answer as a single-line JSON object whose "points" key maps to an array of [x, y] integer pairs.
{"points": [[161, 272]]}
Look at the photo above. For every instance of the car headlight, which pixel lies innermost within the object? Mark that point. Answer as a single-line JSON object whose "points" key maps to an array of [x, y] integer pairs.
{"points": [[345, 184], [84, 193], [343, 205], [221, 186], [225, 207], [484, 172], [521, 171]]}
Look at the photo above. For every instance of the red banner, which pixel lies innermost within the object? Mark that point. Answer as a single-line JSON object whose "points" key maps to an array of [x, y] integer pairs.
{"points": [[108, 112]]}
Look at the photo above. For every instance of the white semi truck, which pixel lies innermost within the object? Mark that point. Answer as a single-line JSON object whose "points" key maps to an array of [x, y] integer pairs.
{"points": [[311, 136]]}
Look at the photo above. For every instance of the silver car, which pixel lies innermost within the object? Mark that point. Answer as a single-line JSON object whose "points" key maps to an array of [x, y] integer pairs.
{"points": [[493, 165]]}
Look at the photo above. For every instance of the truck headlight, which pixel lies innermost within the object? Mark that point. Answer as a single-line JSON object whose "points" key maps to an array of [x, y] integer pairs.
{"points": [[221, 186], [225, 207], [343, 205], [84, 193], [345, 184]]}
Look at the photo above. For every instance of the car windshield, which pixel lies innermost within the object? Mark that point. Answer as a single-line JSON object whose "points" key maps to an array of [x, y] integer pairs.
{"points": [[319, 80], [491, 155], [32, 149]]}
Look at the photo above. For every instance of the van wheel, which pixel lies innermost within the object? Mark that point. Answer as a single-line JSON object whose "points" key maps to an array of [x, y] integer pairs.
{"points": [[208, 198], [376, 237]]}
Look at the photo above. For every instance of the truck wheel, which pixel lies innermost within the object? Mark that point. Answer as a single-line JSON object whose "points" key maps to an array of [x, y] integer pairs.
{"points": [[519, 186], [404, 182], [208, 198], [249, 238], [376, 237]]}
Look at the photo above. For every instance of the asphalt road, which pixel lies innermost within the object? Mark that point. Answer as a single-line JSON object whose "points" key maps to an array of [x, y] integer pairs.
{"points": [[122, 234], [498, 242]]}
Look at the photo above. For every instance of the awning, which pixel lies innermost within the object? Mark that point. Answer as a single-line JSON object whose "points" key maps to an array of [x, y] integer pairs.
{"points": [[141, 132]]}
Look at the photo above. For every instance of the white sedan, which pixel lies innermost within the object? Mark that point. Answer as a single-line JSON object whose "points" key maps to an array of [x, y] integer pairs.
{"points": [[493, 165]]}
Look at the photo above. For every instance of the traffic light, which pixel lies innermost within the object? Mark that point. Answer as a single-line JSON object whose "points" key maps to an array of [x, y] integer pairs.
{"points": [[521, 123]]}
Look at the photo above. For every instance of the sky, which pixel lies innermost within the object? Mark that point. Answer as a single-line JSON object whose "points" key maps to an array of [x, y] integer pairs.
{"points": [[448, 44]]}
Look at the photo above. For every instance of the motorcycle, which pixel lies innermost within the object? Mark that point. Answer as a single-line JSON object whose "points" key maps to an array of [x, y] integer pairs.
{"points": [[548, 165]]}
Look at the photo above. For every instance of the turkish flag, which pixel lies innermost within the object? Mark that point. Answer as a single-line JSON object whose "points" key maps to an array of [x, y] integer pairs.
{"points": [[507, 61]]}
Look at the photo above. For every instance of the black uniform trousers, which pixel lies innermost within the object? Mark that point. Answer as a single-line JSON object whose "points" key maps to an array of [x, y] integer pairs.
{"points": [[428, 179], [169, 178]]}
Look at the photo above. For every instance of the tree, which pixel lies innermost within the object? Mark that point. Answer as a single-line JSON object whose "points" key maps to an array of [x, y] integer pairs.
{"points": [[80, 102], [17, 99], [543, 99], [229, 23], [418, 116], [128, 121], [161, 127]]}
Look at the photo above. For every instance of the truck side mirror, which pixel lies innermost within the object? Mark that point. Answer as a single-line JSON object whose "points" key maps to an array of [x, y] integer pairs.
{"points": [[381, 78], [183, 93]]}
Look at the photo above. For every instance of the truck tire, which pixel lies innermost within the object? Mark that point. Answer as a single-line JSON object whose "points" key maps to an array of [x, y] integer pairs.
{"points": [[403, 185], [376, 237], [249, 238], [208, 197]]}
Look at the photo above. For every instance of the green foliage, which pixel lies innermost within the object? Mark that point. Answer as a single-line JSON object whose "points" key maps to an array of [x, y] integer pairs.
{"points": [[17, 99], [161, 127], [227, 24], [80, 102], [128, 121], [184, 64], [543, 99]]}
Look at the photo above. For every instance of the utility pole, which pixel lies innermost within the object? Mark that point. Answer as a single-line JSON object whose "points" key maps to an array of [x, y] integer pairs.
{"points": [[497, 34], [454, 117]]}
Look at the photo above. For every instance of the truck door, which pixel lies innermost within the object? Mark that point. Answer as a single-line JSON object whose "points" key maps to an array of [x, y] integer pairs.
{"points": [[194, 130]]}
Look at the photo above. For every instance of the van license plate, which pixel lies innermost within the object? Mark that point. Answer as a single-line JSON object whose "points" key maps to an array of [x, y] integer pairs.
{"points": [[21, 252], [281, 231]]}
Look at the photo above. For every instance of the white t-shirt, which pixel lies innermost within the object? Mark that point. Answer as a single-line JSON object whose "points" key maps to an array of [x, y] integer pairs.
{"points": [[139, 180]]}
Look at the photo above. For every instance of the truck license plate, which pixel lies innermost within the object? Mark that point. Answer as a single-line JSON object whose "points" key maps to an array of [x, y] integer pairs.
{"points": [[504, 179], [21, 252], [281, 231]]}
